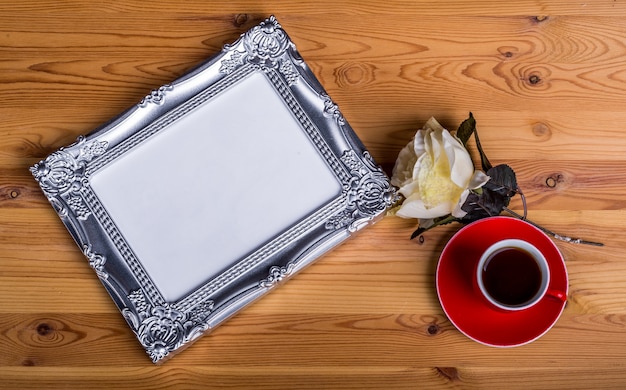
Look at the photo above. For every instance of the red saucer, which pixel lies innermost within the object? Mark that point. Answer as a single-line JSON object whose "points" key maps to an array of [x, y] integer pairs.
{"points": [[469, 311]]}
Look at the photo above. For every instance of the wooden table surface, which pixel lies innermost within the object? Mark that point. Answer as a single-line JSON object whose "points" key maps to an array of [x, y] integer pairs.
{"points": [[546, 81]]}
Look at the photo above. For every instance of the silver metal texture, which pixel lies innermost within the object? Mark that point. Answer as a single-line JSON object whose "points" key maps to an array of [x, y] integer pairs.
{"points": [[214, 189]]}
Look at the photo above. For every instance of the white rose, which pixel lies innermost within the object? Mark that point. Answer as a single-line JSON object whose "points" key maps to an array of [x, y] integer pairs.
{"points": [[435, 174]]}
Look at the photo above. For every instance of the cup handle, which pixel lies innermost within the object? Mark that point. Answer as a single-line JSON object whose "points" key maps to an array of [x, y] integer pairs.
{"points": [[556, 294]]}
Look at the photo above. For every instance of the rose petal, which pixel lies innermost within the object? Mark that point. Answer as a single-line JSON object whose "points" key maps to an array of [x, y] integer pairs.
{"points": [[458, 212], [403, 169], [432, 124], [441, 163], [418, 143], [478, 180], [413, 207], [409, 189], [423, 143], [461, 165]]}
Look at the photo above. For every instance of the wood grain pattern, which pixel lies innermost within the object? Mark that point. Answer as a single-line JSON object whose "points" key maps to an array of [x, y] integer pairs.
{"points": [[546, 81]]}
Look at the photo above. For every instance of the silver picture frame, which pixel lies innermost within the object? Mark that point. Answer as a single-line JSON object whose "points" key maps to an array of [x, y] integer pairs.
{"points": [[214, 189]]}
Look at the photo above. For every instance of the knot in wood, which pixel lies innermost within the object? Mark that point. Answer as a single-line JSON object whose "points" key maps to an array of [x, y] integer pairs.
{"points": [[433, 329], [50, 332], [44, 329], [553, 180], [450, 373], [534, 79], [240, 19], [508, 51], [541, 130], [354, 73]]}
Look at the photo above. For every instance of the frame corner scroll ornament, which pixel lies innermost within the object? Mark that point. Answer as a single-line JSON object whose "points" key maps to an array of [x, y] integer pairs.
{"points": [[162, 329], [368, 193], [265, 46], [61, 176]]}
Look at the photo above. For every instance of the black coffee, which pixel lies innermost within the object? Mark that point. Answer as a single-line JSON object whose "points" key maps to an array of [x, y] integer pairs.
{"points": [[511, 276]]}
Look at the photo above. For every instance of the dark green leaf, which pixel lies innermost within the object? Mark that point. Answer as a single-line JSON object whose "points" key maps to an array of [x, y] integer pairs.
{"points": [[466, 129], [483, 205], [484, 161], [494, 197], [503, 180]]}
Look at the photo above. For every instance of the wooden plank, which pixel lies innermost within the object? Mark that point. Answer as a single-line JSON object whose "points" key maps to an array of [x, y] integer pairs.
{"points": [[356, 340], [332, 37], [355, 7], [553, 185], [221, 377], [312, 377], [379, 271]]}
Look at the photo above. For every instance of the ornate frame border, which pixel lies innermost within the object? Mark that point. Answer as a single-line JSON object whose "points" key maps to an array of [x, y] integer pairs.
{"points": [[163, 327]]}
